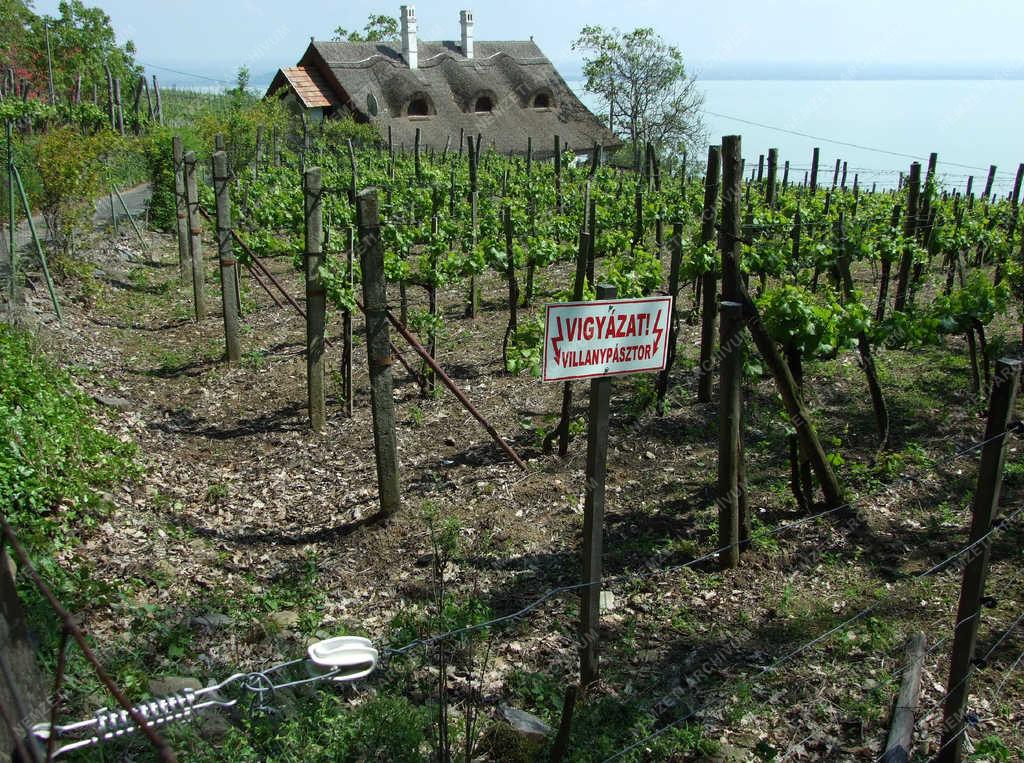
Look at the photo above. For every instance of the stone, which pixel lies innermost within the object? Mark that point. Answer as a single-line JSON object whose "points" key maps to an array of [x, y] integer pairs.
{"points": [[118, 403], [211, 620], [525, 724], [164, 686], [286, 618], [606, 602]]}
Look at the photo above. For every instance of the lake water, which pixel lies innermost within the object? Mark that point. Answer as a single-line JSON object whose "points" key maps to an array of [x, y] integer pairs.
{"points": [[970, 123]]}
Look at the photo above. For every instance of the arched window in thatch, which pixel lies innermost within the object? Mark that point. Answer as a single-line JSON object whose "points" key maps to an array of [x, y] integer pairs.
{"points": [[543, 100], [483, 104], [419, 107]]}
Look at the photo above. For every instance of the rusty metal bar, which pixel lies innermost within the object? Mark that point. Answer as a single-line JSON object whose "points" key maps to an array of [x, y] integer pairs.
{"points": [[422, 352], [163, 751]]}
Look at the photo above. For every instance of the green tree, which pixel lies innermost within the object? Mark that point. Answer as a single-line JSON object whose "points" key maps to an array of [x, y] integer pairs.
{"points": [[82, 40], [242, 79], [378, 27], [646, 91]]}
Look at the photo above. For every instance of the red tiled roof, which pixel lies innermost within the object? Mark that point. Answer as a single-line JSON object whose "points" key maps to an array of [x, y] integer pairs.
{"points": [[309, 86]]}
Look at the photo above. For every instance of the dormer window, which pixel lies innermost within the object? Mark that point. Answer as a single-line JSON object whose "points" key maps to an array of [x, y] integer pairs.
{"points": [[419, 107], [542, 101], [483, 105]]}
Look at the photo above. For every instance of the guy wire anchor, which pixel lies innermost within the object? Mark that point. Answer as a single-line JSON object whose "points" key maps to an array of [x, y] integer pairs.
{"points": [[340, 659]]}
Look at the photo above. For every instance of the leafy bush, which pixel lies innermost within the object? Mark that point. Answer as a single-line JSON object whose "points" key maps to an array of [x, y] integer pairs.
{"points": [[53, 458], [156, 149], [73, 170], [384, 728]]}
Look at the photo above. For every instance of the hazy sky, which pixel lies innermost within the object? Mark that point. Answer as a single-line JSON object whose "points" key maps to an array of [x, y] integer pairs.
{"points": [[213, 37]]}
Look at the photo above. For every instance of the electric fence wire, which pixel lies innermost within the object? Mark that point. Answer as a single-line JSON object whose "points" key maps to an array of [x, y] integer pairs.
{"points": [[935, 705], [836, 142], [818, 639], [630, 577], [894, 675]]}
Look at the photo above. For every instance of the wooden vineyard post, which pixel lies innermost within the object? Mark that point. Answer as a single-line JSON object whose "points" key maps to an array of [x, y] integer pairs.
{"points": [[582, 253], [773, 172], [416, 157], [159, 101], [785, 175], [119, 105], [435, 227], [909, 230], [178, 156], [471, 308], [195, 234], [731, 364], [316, 301], [226, 254], [988, 183], [867, 362], [816, 156], [709, 306], [378, 351], [257, 160], [558, 174], [593, 518], [513, 288], [984, 511], [676, 249], [901, 729], [346, 318]]}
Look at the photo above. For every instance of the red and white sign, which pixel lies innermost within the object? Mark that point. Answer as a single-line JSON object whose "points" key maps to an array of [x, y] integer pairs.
{"points": [[606, 338]]}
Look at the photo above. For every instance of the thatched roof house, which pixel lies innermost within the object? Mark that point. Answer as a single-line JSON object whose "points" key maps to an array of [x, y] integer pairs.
{"points": [[505, 91]]}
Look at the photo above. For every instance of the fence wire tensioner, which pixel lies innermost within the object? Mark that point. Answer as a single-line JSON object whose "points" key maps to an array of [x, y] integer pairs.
{"points": [[340, 659]]}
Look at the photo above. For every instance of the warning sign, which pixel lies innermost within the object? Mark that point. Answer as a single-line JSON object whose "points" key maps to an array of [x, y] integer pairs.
{"points": [[606, 338]]}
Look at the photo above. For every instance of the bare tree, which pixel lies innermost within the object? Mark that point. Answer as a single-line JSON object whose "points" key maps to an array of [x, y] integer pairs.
{"points": [[646, 92]]}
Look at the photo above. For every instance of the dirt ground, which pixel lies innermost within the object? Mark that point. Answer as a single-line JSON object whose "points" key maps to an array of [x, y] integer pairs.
{"points": [[246, 518]]}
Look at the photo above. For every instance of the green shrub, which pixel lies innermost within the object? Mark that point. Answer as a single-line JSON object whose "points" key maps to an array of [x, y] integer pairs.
{"points": [[53, 457]]}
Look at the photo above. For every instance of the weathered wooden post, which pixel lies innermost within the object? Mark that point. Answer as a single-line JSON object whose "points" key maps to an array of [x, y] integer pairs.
{"points": [[593, 518], [901, 729], [226, 255], [676, 249], [178, 155], [986, 197], [195, 238], [815, 157], [909, 231], [471, 308], [111, 114], [159, 101], [785, 176], [316, 301], [22, 689], [558, 174], [346, 317], [984, 511], [378, 351], [416, 157], [513, 287], [709, 288], [773, 171], [731, 363]]}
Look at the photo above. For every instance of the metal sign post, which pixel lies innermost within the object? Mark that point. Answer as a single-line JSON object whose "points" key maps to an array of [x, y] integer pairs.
{"points": [[598, 340]]}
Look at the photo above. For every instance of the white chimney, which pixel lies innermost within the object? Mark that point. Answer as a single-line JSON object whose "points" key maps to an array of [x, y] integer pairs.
{"points": [[409, 36], [466, 22]]}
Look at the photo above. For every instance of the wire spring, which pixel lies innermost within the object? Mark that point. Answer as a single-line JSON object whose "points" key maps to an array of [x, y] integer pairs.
{"points": [[158, 711]]}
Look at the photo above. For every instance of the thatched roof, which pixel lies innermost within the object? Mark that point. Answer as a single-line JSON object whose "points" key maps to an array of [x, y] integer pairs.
{"points": [[371, 81]]}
